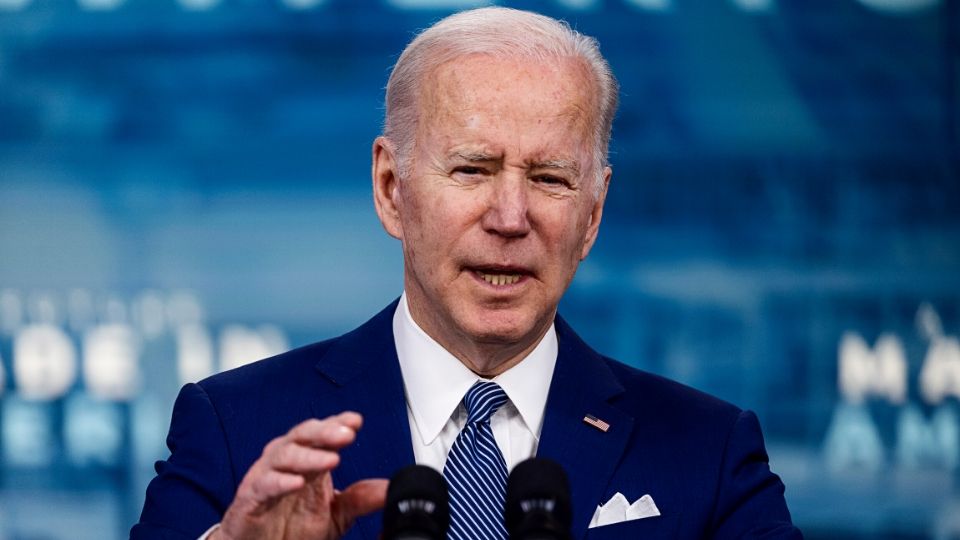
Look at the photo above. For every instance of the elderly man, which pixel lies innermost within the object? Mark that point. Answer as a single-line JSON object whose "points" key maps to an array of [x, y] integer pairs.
{"points": [[492, 174]]}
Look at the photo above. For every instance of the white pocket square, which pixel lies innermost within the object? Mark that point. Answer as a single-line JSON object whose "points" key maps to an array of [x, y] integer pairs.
{"points": [[618, 509]]}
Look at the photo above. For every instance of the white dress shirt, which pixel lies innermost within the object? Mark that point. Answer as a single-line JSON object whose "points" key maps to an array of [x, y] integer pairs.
{"points": [[435, 381]]}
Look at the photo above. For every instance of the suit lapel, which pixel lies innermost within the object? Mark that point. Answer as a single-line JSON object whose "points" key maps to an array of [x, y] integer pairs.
{"points": [[365, 374], [582, 385]]}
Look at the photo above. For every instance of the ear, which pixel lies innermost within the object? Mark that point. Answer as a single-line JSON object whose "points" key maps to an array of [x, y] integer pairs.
{"points": [[386, 186], [596, 213]]}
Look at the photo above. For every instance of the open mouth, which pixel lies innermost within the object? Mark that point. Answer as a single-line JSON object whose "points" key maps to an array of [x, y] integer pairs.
{"points": [[500, 277]]}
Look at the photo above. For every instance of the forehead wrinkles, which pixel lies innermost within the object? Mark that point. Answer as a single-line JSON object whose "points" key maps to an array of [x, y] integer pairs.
{"points": [[462, 92]]}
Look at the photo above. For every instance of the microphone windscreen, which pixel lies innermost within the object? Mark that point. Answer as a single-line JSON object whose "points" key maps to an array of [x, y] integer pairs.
{"points": [[538, 501], [417, 507]]}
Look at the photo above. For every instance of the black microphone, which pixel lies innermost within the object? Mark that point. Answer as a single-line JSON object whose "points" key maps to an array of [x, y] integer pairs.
{"points": [[417, 507], [538, 501]]}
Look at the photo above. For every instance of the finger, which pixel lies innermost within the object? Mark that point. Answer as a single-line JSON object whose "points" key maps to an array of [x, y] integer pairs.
{"points": [[333, 432], [351, 419], [359, 499], [296, 458], [273, 484]]}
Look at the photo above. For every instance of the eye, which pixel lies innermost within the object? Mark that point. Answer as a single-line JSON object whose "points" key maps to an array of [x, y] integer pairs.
{"points": [[468, 170], [550, 180]]}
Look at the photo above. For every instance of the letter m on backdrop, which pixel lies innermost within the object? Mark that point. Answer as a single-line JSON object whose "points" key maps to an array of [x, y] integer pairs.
{"points": [[880, 371]]}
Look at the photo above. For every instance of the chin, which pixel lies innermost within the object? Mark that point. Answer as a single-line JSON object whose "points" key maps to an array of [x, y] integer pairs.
{"points": [[501, 326]]}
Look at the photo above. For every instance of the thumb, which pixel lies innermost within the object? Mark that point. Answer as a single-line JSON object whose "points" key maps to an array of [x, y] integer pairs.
{"points": [[359, 499]]}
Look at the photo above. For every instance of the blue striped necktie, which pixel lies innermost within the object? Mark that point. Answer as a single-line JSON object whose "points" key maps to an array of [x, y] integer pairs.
{"points": [[475, 471]]}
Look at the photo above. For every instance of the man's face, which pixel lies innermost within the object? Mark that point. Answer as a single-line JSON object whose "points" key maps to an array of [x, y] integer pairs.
{"points": [[501, 204]]}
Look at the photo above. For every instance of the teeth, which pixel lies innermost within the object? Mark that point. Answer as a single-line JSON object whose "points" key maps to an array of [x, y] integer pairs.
{"points": [[500, 279]]}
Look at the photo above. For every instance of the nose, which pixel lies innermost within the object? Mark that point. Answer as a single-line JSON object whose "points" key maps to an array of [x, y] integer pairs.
{"points": [[507, 213]]}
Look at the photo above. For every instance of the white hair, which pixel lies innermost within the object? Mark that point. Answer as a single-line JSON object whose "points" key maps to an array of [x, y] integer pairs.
{"points": [[502, 32]]}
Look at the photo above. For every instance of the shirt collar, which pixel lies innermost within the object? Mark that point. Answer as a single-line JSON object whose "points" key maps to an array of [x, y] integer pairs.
{"points": [[435, 381]]}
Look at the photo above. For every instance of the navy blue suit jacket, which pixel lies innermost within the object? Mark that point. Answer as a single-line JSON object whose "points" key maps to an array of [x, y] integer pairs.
{"points": [[701, 459]]}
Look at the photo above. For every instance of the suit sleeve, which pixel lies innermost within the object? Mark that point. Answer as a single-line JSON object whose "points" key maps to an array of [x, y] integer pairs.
{"points": [[750, 502], [195, 485]]}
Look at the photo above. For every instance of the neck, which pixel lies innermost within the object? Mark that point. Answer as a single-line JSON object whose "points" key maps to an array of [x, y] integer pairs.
{"points": [[487, 356]]}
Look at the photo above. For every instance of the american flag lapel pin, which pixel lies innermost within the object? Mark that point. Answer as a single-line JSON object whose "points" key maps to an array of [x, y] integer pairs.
{"points": [[596, 422]]}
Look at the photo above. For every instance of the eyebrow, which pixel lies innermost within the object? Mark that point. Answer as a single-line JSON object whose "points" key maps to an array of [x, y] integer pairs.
{"points": [[480, 156], [474, 156], [562, 164]]}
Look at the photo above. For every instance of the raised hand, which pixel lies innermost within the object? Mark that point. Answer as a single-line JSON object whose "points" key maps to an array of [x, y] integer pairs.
{"points": [[288, 492]]}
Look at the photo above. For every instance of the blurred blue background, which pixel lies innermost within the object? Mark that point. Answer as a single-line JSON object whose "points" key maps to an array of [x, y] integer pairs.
{"points": [[184, 187]]}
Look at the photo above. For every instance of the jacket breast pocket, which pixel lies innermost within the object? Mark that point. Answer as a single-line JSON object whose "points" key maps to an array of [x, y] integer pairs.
{"points": [[651, 528]]}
